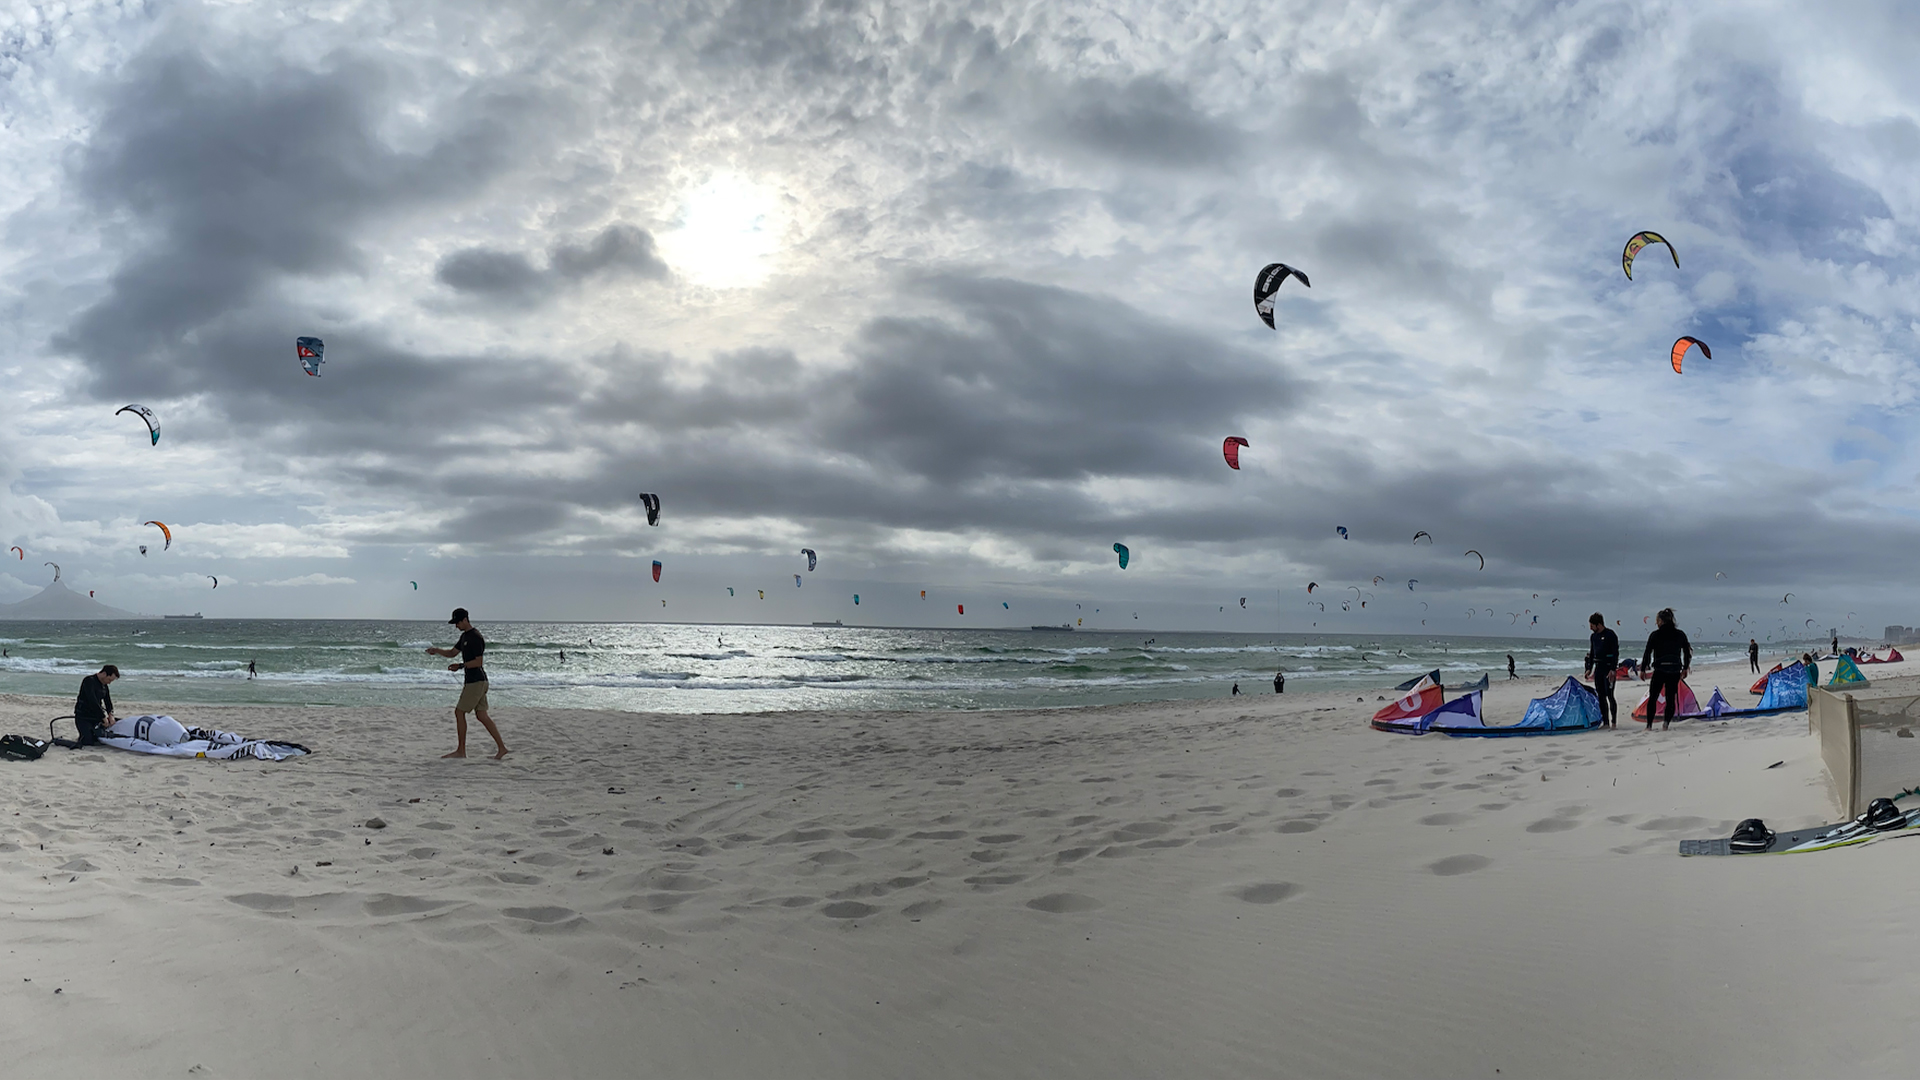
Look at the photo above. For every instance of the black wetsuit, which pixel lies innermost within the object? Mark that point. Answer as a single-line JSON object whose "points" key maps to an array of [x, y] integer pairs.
{"points": [[1668, 654], [91, 709], [1753, 656], [1603, 658], [1279, 683]]}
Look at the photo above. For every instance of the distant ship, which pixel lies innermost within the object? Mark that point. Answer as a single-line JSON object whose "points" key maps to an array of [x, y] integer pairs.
{"points": [[1062, 626], [195, 615], [835, 622]]}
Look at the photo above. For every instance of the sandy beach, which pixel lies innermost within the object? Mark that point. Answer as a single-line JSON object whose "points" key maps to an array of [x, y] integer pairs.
{"points": [[1253, 886]]}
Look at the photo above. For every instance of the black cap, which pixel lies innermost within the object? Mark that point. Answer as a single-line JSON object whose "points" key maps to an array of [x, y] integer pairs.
{"points": [[459, 615]]}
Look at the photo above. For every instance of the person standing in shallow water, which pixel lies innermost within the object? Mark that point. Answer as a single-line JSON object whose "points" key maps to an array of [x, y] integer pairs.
{"points": [[472, 651], [1279, 682], [1670, 655], [1510, 672]]}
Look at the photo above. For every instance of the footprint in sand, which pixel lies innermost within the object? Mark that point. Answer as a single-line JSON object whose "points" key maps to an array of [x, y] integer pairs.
{"points": [[1063, 903], [848, 909], [1297, 826], [1071, 855], [1140, 831], [1672, 824], [388, 904], [922, 907], [871, 832], [1287, 793], [1446, 819], [941, 834], [1455, 865], [1268, 892], [545, 915]]}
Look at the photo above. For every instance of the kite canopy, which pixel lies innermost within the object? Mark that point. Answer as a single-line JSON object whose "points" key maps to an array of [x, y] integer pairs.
{"points": [[1845, 674], [215, 580], [1231, 450], [164, 531], [310, 350], [56, 569], [1342, 530], [1680, 349], [1434, 675], [652, 503], [1460, 714], [1483, 563], [1640, 240], [1572, 707], [1123, 553], [415, 584], [1421, 533], [812, 559], [1786, 689], [656, 569], [1687, 705], [144, 413], [19, 552], [1267, 283], [1421, 698]]}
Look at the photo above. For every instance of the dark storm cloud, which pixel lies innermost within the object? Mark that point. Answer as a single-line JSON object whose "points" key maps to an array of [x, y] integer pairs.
{"points": [[510, 277], [228, 182]]}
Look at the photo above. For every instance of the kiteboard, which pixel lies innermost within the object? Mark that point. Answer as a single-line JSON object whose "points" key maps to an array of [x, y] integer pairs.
{"points": [[1819, 838]]}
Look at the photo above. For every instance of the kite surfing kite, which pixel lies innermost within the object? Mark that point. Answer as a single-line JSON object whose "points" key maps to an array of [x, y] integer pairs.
{"points": [[310, 350], [762, 592], [856, 599], [164, 531], [796, 581], [1342, 530], [215, 580], [1717, 575], [1121, 550], [1640, 240], [1786, 598], [415, 584], [1229, 449], [656, 570], [1312, 585], [144, 413], [19, 552], [961, 608], [1411, 582], [1243, 601], [1421, 533], [652, 503], [1680, 349], [1268, 283], [56, 569], [812, 559], [923, 596], [1377, 579], [1004, 604], [1477, 555], [143, 551]]}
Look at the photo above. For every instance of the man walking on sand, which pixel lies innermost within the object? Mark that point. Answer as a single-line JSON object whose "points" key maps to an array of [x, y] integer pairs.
{"points": [[472, 650]]}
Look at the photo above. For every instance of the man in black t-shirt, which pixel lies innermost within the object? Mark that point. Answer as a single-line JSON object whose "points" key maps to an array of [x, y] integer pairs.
{"points": [[472, 650], [93, 709]]}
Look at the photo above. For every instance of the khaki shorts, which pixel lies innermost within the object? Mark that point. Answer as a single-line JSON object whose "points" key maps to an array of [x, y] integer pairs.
{"points": [[473, 696]]}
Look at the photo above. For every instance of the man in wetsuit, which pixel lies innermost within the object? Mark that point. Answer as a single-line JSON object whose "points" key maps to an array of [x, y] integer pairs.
{"points": [[1667, 660], [93, 709], [1603, 657], [1279, 682], [1753, 655]]}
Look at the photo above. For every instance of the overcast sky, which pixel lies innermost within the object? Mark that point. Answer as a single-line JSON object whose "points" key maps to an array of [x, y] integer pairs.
{"points": [[959, 295]]}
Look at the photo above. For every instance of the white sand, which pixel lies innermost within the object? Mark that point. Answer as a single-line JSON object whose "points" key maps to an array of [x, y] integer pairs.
{"points": [[1250, 886]]}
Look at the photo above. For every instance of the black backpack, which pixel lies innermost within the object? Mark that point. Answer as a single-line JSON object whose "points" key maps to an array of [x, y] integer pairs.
{"points": [[21, 748], [1751, 835]]}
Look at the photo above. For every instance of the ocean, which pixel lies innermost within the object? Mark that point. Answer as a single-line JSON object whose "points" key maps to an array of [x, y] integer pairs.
{"points": [[650, 667]]}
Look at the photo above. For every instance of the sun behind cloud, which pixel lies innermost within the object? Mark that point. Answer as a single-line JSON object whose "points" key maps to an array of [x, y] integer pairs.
{"points": [[728, 234]]}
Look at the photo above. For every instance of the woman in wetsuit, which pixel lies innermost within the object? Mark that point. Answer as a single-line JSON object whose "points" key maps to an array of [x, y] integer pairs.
{"points": [[1667, 660]]}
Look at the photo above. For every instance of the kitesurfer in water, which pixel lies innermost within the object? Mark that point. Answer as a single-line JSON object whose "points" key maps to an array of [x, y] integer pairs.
{"points": [[251, 670], [472, 650], [1236, 690], [1603, 658], [1670, 655]]}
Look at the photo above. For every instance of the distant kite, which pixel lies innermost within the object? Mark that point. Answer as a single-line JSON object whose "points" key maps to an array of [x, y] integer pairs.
{"points": [[415, 584], [1680, 349], [656, 571], [1477, 555], [310, 350], [1123, 553], [1229, 449], [762, 592], [812, 559], [18, 551], [1640, 240], [144, 413], [856, 599], [1421, 533], [652, 503], [56, 570], [1411, 582], [796, 581], [143, 551], [961, 608], [1786, 598], [215, 580], [1267, 283], [164, 531], [1342, 530], [1243, 602], [729, 590], [1312, 585]]}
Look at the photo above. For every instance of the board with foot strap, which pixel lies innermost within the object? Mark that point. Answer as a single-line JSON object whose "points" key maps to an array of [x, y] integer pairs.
{"points": [[1821, 838]]}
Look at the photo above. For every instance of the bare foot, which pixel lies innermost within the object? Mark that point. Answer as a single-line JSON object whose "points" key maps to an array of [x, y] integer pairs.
{"points": [[456, 753], [501, 754]]}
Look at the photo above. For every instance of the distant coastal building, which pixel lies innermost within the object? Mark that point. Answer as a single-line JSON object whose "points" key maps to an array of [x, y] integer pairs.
{"points": [[1899, 633]]}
